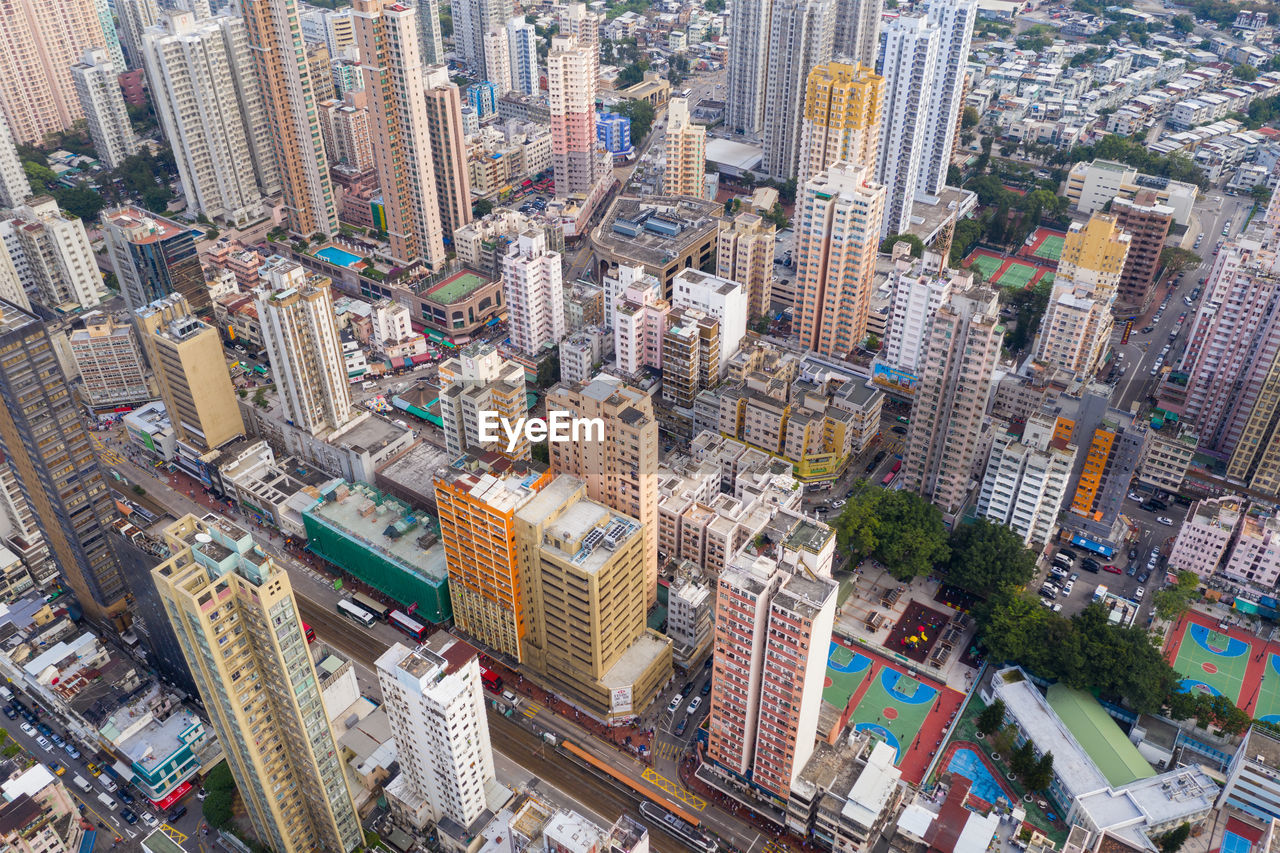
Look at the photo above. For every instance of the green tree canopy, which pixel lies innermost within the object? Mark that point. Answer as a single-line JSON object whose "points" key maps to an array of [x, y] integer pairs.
{"points": [[483, 207], [1177, 259], [1245, 72], [917, 245], [1172, 601], [900, 529], [969, 118], [1040, 776], [991, 720], [1023, 760], [641, 114], [1172, 841], [986, 556], [80, 201]]}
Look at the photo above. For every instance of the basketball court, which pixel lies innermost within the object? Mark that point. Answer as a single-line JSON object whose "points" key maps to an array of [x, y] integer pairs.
{"points": [[1231, 663], [891, 704]]}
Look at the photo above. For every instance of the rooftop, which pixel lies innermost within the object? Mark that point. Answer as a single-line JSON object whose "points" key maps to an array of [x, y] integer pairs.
{"points": [[1095, 730], [142, 226], [160, 739], [457, 287], [383, 524], [655, 230]]}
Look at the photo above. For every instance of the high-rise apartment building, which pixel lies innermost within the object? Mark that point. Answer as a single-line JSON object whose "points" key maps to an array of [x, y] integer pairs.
{"points": [[102, 103], [448, 149], [772, 634], [50, 454], [42, 41], [620, 470], [210, 104], [522, 55], [14, 186], [744, 253], [686, 144], [800, 37], [953, 19], [185, 354], [919, 289], [748, 67], [691, 347], [490, 596], [233, 611], [11, 283], [435, 704], [347, 137], [52, 254], [1147, 223], [857, 38], [909, 64], [533, 292], [430, 36], [577, 20], [300, 331], [471, 20], [112, 372], [479, 382], [951, 398], [841, 118], [838, 214], [1028, 472], [572, 98], [1076, 329], [289, 95], [388, 37], [497, 60], [716, 297], [135, 16], [335, 30], [585, 569], [153, 257]]}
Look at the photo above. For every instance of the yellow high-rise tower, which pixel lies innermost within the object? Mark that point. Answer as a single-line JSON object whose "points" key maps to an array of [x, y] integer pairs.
{"points": [[841, 118]]}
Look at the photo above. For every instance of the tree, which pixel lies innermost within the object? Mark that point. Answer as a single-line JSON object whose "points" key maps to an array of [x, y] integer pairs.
{"points": [[1028, 307], [1023, 760], [220, 789], [969, 118], [954, 177], [911, 538], [713, 5], [80, 201], [1184, 23], [1176, 259], [632, 74], [1040, 776], [873, 343], [1172, 601], [991, 720], [40, 176], [917, 245], [1261, 193], [1172, 841], [482, 208], [1245, 72], [641, 114], [986, 556]]}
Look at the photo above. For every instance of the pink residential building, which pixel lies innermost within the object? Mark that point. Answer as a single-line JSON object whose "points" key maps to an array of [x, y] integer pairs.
{"points": [[640, 319], [1228, 536], [1255, 555], [774, 616], [572, 99]]}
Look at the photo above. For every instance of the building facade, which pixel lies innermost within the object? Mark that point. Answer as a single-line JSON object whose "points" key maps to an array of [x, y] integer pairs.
{"points": [[686, 152], [801, 33], [744, 253], [111, 368], [102, 102], [841, 118], [1147, 223], [534, 292], [50, 250], [153, 257], [43, 41], [572, 96]]}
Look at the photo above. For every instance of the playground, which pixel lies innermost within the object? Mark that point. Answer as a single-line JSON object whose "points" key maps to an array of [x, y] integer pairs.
{"points": [[878, 695], [1005, 271], [916, 631], [1045, 245], [1231, 663]]}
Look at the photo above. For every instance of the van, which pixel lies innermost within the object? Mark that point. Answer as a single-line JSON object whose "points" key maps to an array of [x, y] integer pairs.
{"points": [[107, 801], [512, 698], [6, 694], [81, 783]]}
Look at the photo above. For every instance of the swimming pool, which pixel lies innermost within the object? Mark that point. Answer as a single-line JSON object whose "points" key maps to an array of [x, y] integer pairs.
{"points": [[337, 256], [984, 786]]}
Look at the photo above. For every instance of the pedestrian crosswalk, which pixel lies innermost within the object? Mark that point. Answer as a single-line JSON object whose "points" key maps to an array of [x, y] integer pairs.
{"points": [[530, 709], [669, 750]]}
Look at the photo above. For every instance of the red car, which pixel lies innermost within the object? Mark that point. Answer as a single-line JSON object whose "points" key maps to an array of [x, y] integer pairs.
{"points": [[1113, 569]]}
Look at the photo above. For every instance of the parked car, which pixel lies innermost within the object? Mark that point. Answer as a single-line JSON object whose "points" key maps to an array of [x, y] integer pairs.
{"points": [[129, 816], [70, 750], [1115, 570], [149, 819], [1144, 576], [675, 703], [176, 813], [681, 726], [44, 743], [706, 688], [28, 729], [1139, 593]]}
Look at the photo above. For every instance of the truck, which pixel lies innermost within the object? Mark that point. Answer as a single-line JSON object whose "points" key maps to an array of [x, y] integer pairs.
{"points": [[1100, 592]]}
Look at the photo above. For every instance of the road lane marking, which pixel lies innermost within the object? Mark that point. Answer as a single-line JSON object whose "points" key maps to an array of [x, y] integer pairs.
{"points": [[679, 792]]}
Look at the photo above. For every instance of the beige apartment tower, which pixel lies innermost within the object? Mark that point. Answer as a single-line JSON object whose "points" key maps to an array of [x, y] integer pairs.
{"points": [[960, 357], [686, 152], [621, 471], [744, 253], [448, 149], [289, 95], [584, 566], [387, 33], [186, 356], [233, 611], [837, 238]]}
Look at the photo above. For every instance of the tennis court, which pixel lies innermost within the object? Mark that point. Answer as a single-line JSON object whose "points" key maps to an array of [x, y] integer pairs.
{"points": [[1047, 244], [1004, 271], [881, 697], [985, 262]]}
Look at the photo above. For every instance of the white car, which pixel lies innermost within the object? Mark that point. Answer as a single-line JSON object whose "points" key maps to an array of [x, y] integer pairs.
{"points": [[675, 703], [149, 819], [1134, 496], [1138, 593], [29, 729], [837, 504], [44, 743], [694, 705], [1163, 520]]}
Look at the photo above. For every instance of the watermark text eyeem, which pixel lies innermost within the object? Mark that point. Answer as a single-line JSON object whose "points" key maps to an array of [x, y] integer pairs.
{"points": [[556, 426]]}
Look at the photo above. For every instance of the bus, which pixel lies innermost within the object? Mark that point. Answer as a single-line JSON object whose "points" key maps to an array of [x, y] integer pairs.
{"points": [[405, 625], [356, 613], [681, 830], [308, 632], [491, 680], [381, 611]]}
